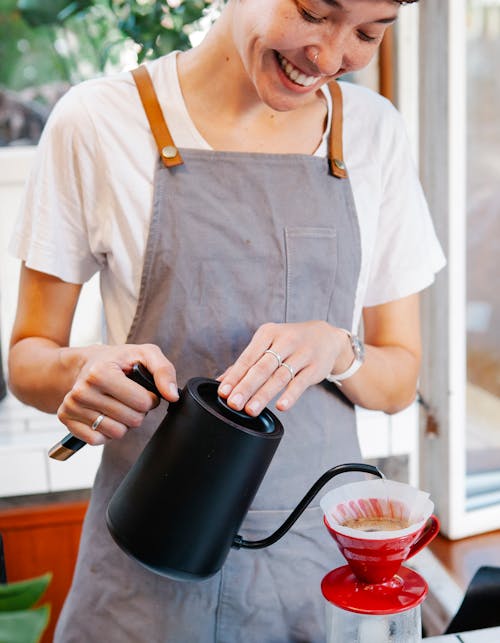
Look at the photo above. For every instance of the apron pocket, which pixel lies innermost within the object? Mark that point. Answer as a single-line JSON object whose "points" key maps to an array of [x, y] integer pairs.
{"points": [[311, 264]]}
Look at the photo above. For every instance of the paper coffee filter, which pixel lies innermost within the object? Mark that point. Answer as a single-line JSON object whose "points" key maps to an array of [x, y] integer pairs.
{"points": [[376, 499]]}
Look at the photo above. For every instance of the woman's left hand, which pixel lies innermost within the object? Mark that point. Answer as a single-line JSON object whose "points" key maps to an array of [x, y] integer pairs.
{"points": [[282, 357]]}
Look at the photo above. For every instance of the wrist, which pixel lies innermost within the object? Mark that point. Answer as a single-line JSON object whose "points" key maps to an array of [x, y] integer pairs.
{"points": [[349, 361], [345, 356], [70, 363]]}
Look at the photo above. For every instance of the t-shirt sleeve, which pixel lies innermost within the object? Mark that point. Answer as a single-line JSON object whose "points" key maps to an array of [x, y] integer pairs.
{"points": [[60, 204], [407, 253]]}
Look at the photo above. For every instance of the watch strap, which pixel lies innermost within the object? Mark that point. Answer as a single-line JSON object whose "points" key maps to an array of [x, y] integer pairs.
{"points": [[338, 378]]}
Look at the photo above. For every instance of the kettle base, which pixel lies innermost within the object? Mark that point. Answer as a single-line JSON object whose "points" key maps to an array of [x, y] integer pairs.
{"points": [[173, 574]]}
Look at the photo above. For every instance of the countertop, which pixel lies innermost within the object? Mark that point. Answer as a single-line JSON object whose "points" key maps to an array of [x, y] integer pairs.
{"points": [[488, 635]]}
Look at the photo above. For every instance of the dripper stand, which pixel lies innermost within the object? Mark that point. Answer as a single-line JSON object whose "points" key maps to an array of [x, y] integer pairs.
{"points": [[374, 598]]}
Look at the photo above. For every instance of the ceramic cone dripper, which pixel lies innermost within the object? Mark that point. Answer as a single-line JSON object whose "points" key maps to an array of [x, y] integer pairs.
{"points": [[376, 499]]}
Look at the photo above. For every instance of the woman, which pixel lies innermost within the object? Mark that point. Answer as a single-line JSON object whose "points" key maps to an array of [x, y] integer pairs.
{"points": [[255, 257]]}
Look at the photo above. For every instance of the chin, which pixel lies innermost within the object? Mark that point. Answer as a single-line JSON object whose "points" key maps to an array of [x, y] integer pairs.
{"points": [[282, 103]]}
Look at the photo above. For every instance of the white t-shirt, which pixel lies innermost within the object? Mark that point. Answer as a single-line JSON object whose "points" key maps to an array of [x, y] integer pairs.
{"points": [[88, 202]]}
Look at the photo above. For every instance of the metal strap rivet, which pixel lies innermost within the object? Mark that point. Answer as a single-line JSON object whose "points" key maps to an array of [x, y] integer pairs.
{"points": [[340, 164], [169, 152]]}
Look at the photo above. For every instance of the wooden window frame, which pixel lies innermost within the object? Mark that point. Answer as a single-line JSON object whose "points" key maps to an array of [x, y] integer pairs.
{"points": [[442, 152]]}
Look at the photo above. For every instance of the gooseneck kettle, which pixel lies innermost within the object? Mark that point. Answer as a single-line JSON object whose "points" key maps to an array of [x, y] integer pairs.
{"points": [[178, 509]]}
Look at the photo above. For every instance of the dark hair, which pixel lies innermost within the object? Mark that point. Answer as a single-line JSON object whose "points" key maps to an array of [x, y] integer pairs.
{"points": [[405, 1]]}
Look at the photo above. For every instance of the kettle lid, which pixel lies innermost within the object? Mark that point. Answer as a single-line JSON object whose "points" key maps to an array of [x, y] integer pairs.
{"points": [[204, 391]]}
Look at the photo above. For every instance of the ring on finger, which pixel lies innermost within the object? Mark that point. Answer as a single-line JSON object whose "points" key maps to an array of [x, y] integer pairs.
{"points": [[96, 423], [277, 355], [290, 370]]}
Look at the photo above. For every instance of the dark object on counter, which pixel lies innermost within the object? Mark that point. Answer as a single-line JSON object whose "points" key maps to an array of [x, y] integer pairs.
{"points": [[178, 509], [480, 606], [3, 571]]}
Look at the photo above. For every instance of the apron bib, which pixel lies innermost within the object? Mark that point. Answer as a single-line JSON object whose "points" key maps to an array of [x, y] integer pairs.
{"points": [[236, 240]]}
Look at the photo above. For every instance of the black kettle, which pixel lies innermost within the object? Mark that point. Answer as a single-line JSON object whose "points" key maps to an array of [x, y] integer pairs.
{"points": [[178, 509]]}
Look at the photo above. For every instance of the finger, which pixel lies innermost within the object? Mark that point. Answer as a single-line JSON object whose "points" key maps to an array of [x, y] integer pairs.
{"points": [[262, 340], [162, 370], [254, 380], [105, 381], [292, 390], [84, 402], [222, 375], [295, 389], [109, 427], [281, 379], [118, 418], [86, 433]]}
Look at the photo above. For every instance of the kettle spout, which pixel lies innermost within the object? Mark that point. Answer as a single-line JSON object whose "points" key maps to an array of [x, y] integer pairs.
{"points": [[239, 541]]}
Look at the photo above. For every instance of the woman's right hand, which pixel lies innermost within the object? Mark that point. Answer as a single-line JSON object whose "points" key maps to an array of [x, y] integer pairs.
{"points": [[78, 383], [101, 387]]}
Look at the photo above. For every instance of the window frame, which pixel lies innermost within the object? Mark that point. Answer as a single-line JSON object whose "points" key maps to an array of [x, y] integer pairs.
{"points": [[442, 153]]}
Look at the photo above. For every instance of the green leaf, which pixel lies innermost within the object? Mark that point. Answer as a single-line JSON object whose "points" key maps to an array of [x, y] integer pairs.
{"points": [[192, 11], [22, 594], [170, 39], [49, 12], [24, 626]]}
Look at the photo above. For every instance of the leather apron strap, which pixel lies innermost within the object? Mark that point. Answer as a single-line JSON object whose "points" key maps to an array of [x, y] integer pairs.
{"points": [[167, 149], [335, 146], [169, 153]]}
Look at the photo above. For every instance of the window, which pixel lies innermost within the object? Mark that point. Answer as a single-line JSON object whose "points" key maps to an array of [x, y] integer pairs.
{"points": [[459, 151]]}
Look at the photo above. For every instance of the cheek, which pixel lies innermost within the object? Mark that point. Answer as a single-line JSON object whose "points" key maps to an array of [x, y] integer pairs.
{"points": [[359, 56], [265, 29]]}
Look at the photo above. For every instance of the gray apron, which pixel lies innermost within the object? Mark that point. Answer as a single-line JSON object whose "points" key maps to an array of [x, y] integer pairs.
{"points": [[236, 240]]}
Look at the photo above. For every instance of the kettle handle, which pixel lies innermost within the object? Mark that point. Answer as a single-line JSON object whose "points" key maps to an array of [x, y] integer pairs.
{"points": [[69, 445], [239, 541]]}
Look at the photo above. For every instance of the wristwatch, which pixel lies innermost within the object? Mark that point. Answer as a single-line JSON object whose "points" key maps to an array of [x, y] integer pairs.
{"points": [[358, 348]]}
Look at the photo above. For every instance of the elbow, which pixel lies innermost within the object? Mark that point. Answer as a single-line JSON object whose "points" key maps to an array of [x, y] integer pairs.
{"points": [[16, 381], [400, 402]]}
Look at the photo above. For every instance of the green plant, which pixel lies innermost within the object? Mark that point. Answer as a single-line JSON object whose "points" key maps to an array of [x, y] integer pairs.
{"points": [[54, 11], [158, 27], [155, 26], [48, 45], [20, 622]]}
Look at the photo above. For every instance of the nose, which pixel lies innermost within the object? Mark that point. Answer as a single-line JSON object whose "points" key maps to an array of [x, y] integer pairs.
{"points": [[330, 55], [312, 54]]}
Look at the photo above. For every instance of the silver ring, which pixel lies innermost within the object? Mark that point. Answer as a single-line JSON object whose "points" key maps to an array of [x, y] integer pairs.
{"points": [[290, 370], [97, 422], [277, 355]]}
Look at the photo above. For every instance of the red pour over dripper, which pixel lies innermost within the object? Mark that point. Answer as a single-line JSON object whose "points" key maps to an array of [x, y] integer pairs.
{"points": [[374, 581]]}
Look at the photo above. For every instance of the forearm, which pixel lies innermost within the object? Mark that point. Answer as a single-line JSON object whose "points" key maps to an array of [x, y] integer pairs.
{"points": [[386, 381], [41, 372]]}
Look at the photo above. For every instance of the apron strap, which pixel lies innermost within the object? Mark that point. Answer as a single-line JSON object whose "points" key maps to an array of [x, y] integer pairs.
{"points": [[167, 149], [170, 154], [335, 146]]}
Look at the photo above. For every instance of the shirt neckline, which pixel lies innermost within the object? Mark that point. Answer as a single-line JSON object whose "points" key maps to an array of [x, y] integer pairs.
{"points": [[202, 143]]}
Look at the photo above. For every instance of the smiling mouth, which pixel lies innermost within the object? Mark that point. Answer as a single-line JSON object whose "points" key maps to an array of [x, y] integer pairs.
{"points": [[295, 75]]}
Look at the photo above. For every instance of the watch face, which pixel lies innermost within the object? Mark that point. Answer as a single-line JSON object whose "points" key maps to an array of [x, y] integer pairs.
{"points": [[358, 347]]}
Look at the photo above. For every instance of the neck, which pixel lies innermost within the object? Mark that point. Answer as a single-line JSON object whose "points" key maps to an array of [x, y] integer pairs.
{"points": [[212, 75], [224, 104]]}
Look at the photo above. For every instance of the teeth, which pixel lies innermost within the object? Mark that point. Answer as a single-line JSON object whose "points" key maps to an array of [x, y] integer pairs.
{"points": [[294, 74]]}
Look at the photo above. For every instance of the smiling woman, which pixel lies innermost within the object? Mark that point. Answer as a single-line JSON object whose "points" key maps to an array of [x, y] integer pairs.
{"points": [[245, 212]]}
